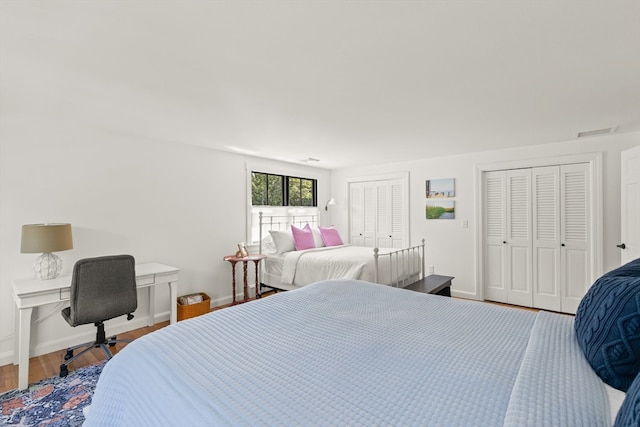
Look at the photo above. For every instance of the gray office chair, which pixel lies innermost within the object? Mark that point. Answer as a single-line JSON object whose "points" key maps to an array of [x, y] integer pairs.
{"points": [[101, 288]]}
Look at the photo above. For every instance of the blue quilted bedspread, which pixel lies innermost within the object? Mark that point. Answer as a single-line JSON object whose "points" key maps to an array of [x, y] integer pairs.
{"points": [[350, 353]]}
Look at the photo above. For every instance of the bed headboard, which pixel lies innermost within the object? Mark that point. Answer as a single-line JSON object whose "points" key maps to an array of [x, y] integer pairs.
{"points": [[284, 221]]}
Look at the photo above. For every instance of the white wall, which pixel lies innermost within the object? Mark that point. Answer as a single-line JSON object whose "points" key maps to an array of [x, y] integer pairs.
{"points": [[451, 248], [186, 206], [171, 203]]}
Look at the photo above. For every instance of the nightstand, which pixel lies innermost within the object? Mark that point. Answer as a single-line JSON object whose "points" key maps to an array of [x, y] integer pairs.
{"points": [[233, 260]]}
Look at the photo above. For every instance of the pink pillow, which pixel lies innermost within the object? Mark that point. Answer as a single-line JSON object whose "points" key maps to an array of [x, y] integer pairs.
{"points": [[330, 236], [303, 238]]}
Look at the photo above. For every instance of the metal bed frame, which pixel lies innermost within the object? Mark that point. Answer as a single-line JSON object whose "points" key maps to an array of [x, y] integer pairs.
{"points": [[401, 258]]}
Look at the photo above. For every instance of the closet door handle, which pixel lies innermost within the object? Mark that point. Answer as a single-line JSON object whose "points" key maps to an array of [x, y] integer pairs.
{"points": [[562, 244], [622, 246]]}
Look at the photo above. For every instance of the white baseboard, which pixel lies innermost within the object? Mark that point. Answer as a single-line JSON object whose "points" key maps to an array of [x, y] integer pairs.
{"points": [[6, 358], [228, 299], [465, 295]]}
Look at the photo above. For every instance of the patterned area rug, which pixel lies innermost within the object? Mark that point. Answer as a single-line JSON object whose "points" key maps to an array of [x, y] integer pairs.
{"points": [[51, 402]]}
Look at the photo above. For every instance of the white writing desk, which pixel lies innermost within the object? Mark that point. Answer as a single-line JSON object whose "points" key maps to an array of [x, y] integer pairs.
{"points": [[32, 292]]}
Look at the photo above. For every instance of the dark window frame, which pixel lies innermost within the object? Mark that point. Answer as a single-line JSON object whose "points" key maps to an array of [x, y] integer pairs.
{"points": [[284, 195]]}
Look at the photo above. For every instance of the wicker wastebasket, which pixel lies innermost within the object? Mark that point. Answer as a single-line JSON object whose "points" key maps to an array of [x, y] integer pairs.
{"points": [[187, 311]]}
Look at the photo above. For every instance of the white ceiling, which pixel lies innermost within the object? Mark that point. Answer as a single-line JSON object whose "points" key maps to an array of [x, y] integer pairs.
{"points": [[345, 82]]}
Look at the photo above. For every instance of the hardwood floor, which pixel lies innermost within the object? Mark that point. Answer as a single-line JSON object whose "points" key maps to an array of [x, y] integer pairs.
{"points": [[48, 365]]}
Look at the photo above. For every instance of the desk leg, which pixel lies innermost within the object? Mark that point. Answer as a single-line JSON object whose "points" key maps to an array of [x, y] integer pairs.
{"points": [[22, 337], [173, 298], [152, 306], [16, 334]]}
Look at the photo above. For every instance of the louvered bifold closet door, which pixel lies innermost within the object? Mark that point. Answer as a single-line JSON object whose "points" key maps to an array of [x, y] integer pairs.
{"points": [[495, 231], [378, 213], [546, 238], [391, 211], [356, 206], [362, 207], [575, 234], [519, 242], [370, 218], [383, 225]]}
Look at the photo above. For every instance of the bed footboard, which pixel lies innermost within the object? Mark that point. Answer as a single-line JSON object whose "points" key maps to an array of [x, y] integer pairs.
{"points": [[409, 260]]}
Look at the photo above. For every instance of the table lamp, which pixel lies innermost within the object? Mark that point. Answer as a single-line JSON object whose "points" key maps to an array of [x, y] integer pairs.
{"points": [[46, 238]]}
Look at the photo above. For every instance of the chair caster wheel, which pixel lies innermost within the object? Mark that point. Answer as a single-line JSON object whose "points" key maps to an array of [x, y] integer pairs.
{"points": [[112, 344], [69, 355], [64, 371]]}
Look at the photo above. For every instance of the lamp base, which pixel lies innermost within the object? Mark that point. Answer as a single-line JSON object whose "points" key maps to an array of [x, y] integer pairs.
{"points": [[47, 266]]}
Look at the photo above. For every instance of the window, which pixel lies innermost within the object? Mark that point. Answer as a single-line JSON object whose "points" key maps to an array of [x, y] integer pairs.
{"points": [[279, 190]]}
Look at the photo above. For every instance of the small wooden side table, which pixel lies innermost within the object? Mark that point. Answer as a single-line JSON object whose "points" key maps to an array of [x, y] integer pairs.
{"points": [[233, 260]]}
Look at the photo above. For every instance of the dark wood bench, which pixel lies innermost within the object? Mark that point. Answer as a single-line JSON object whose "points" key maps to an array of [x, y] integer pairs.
{"points": [[433, 284]]}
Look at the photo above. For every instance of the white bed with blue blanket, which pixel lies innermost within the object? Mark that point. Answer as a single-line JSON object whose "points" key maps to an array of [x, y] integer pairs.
{"points": [[349, 353]]}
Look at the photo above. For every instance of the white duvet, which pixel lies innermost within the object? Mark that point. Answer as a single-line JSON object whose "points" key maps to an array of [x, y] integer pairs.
{"points": [[347, 262]]}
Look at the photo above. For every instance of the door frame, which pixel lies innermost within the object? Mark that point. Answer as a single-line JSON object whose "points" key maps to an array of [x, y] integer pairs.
{"points": [[625, 256], [596, 207]]}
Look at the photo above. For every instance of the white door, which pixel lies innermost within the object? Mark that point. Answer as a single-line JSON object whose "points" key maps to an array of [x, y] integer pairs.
{"points": [[495, 233], [362, 204], [518, 246], [630, 205], [575, 236], [399, 213], [378, 213], [383, 212], [391, 205], [537, 236], [356, 217], [546, 238]]}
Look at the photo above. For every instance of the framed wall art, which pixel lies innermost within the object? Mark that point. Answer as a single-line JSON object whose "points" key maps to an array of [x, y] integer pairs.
{"points": [[440, 209], [441, 188], [439, 193]]}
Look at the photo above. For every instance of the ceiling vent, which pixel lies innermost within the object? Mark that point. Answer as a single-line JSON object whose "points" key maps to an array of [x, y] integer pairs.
{"points": [[310, 160], [595, 132]]}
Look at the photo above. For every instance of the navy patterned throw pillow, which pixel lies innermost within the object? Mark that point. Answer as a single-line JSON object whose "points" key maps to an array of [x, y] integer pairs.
{"points": [[607, 325]]}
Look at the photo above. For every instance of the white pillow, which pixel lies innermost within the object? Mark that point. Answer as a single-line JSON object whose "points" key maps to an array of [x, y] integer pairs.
{"points": [[317, 238], [268, 246], [283, 241]]}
